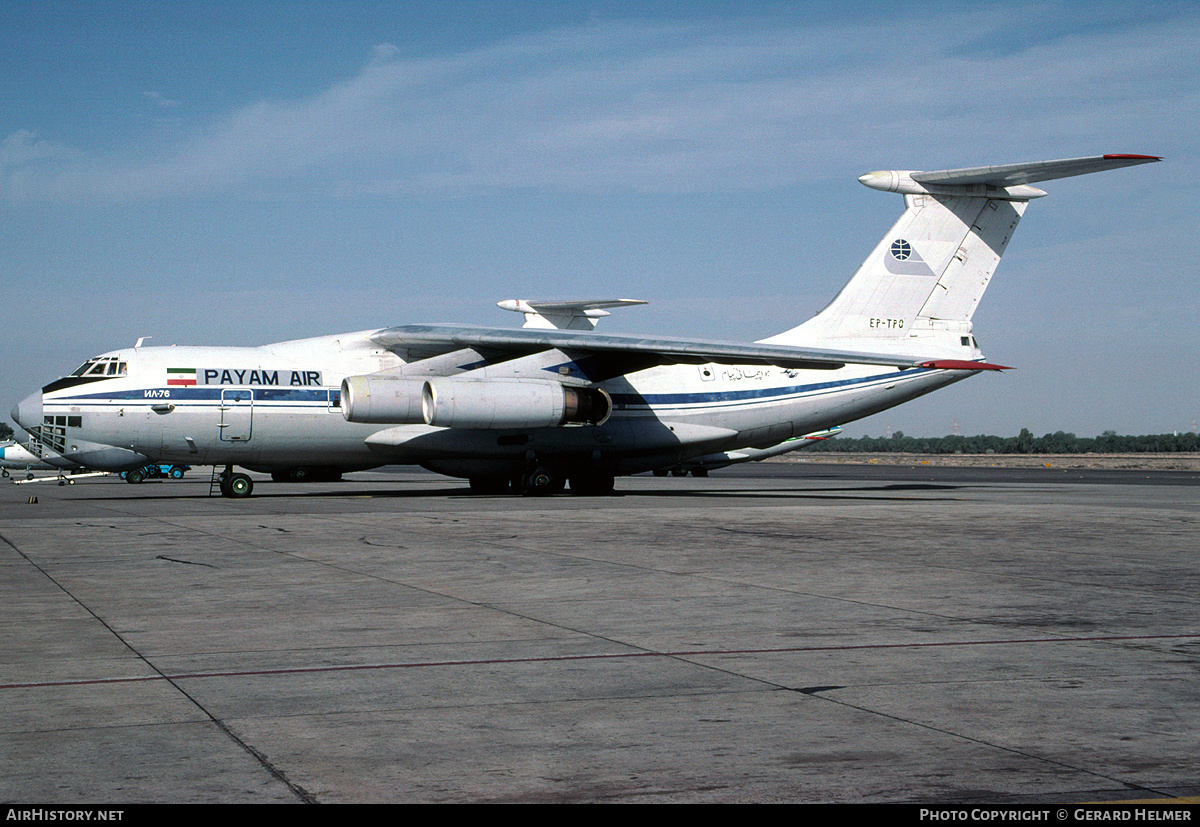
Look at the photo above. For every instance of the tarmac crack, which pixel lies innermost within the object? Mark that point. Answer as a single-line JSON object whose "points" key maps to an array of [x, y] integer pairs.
{"points": [[258, 756], [982, 742]]}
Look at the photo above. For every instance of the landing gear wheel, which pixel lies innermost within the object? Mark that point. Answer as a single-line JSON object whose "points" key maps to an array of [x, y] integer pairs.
{"points": [[542, 482], [237, 486], [298, 474], [5, 473], [135, 476]]}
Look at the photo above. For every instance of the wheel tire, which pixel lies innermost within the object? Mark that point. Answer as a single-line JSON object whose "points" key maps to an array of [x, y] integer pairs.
{"points": [[135, 476], [176, 473], [239, 486], [542, 482], [298, 474]]}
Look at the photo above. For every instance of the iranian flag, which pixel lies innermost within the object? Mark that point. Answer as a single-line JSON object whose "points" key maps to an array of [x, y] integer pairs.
{"points": [[181, 376]]}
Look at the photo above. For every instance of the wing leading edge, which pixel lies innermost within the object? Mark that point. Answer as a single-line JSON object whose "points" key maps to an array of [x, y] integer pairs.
{"points": [[660, 351]]}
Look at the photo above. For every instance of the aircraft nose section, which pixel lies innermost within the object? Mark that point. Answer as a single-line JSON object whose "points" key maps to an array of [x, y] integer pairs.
{"points": [[28, 412]]}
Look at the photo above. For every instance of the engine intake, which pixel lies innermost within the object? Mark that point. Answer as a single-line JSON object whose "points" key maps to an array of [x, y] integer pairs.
{"points": [[510, 403]]}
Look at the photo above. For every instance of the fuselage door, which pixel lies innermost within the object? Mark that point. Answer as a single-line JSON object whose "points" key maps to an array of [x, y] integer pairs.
{"points": [[237, 414]]}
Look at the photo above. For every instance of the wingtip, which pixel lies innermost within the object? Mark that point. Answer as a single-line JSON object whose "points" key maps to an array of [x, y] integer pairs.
{"points": [[960, 364]]}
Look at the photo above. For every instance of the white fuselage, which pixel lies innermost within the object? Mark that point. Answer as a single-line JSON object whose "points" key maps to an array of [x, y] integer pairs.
{"points": [[278, 406]]}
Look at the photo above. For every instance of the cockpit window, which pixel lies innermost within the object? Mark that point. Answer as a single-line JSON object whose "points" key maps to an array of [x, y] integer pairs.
{"points": [[101, 366]]}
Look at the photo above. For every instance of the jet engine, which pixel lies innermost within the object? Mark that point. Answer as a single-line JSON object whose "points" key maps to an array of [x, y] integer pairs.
{"points": [[383, 400], [452, 402]]}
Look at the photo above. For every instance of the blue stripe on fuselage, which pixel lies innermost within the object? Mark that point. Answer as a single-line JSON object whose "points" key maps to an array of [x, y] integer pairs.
{"points": [[321, 396], [199, 393]]}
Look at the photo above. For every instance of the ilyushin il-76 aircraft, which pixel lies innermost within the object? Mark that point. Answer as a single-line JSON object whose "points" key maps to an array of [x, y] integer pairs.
{"points": [[528, 410]]}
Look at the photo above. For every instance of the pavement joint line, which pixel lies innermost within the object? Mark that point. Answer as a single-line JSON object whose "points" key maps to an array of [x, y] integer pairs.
{"points": [[683, 653]]}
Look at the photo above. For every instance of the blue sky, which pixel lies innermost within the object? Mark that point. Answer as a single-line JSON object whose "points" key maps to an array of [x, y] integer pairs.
{"points": [[229, 173]]}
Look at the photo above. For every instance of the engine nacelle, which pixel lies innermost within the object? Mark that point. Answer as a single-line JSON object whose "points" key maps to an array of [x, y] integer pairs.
{"points": [[450, 402], [382, 400]]}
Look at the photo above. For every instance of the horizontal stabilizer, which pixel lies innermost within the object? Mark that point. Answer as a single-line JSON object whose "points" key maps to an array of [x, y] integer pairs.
{"points": [[1009, 181], [1011, 175], [570, 314]]}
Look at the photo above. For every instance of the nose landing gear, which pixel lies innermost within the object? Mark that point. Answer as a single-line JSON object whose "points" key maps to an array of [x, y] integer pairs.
{"points": [[235, 486]]}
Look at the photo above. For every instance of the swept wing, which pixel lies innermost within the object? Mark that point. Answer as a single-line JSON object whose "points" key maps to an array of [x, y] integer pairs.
{"points": [[638, 350]]}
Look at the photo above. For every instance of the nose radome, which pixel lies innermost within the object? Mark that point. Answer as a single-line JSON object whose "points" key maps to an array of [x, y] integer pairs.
{"points": [[28, 412]]}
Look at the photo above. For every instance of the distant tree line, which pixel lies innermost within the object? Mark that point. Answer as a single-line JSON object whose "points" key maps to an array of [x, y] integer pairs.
{"points": [[5, 431], [1109, 442]]}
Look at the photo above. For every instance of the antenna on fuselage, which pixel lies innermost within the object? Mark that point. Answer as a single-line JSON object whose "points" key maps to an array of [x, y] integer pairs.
{"points": [[140, 340]]}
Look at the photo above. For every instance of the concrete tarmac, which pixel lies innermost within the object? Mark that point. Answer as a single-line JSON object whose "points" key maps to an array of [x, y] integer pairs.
{"points": [[772, 633]]}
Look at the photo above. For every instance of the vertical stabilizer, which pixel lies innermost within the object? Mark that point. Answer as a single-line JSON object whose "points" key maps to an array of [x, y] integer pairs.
{"points": [[927, 275]]}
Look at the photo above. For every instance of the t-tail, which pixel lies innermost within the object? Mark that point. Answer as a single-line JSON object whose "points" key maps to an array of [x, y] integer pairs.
{"points": [[922, 282]]}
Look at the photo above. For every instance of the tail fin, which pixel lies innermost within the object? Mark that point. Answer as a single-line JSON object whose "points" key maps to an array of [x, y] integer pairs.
{"points": [[926, 277]]}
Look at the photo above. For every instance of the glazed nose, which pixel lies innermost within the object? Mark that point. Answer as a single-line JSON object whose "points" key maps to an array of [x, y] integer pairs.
{"points": [[28, 412]]}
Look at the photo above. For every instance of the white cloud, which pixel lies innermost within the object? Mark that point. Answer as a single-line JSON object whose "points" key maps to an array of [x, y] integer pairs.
{"points": [[24, 147], [682, 107], [160, 100]]}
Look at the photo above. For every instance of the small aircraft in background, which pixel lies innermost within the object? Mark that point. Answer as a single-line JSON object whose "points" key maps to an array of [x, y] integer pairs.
{"points": [[529, 410], [24, 458]]}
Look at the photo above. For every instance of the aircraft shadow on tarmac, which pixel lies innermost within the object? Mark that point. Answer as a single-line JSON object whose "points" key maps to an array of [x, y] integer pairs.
{"points": [[410, 490]]}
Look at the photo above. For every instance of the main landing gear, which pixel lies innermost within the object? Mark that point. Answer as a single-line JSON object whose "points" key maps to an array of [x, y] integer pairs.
{"points": [[544, 481]]}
